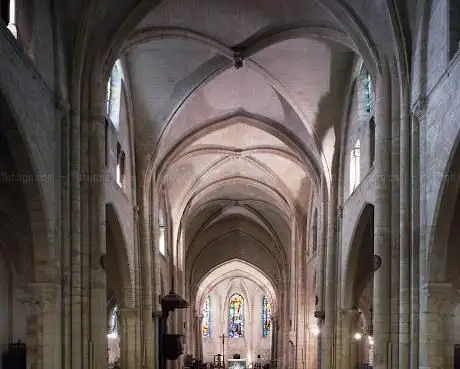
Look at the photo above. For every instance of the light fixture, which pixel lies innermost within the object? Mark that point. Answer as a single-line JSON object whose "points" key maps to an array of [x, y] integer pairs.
{"points": [[112, 335], [357, 336], [371, 340], [315, 331]]}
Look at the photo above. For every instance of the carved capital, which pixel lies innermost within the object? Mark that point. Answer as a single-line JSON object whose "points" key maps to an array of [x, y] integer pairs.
{"points": [[419, 109], [157, 314], [38, 296], [46, 294], [126, 313], [349, 315], [440, 297]]}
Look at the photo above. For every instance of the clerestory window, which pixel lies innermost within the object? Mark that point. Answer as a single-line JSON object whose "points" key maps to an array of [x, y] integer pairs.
{"points": [[113, 97], [355, 167], [162, 241], [120, 166], [8, 15]]}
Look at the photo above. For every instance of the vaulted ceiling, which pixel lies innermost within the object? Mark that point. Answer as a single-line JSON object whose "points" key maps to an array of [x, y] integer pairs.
{"points": [[238, 108]]}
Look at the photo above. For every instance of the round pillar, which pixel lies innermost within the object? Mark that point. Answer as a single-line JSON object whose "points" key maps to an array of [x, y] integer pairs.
{"points": [[382, 223]]}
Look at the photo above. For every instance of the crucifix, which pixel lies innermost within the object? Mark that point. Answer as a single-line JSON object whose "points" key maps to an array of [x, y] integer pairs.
{"points": [[223, 349]]}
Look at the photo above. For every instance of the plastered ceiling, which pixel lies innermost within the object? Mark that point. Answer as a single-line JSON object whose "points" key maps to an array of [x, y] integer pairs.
{"points": [[238, 151]]}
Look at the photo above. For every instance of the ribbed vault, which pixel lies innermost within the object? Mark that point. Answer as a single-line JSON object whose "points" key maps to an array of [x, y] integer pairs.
{"points": [[231, 270]]}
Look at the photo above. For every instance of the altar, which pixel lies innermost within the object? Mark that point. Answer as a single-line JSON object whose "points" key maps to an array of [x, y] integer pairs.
{"points": [[236, 364]]}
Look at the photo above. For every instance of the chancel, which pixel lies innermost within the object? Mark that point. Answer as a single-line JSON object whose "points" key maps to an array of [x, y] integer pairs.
{"points": [[229, 184]]}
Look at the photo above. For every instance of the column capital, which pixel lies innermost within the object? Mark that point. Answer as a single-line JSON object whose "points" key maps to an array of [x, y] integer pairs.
{"points": [[349, 315], [39, 295], [157, 314], [351, 312], [441, 296], [419, 108], [128, 312]]}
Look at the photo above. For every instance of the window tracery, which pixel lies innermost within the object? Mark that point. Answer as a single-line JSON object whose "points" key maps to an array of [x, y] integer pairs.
{"points": [[236, 316], [266, 317], [206, 323]]}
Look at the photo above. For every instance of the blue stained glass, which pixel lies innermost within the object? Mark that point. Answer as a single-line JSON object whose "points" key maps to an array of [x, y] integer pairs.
{"points": [[206, 323], [266, 317], [236, 316]]}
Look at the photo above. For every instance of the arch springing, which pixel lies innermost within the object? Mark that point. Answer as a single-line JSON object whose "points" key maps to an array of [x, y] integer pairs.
{"points": [[236, 316], [206, 323], [266, 317]]}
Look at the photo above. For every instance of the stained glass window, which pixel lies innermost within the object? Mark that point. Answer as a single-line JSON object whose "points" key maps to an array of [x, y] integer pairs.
{"points": [[236, 316], [206, 323], [113, 329], [266, 317]]}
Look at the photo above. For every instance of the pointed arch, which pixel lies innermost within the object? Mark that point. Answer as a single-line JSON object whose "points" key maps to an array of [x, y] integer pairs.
{"points": [[236, 310], [437, 243], [33, 187], [364, 223], [118, 263]]}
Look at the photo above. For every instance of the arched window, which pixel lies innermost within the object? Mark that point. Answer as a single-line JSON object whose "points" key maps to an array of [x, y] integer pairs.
{"points": [[367, 81], [113, 97], [120, 165], [113, 328], [236, 316], [355, 167], [8, 15], [206, 323], [162, 234], [266, 317]]}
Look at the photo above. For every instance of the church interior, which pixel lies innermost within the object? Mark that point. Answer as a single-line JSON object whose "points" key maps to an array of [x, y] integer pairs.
{"points": [[203, 184]]}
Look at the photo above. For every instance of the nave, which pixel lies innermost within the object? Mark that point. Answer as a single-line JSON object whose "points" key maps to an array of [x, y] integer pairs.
{"points": [[229, 184]]}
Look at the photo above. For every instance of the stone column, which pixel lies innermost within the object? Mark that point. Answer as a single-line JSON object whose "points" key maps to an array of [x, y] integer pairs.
{"points": [[395, 218], [328, 337], [348, 317], [198, 337], [42, 327], [382, 222], [148, 349], [438, 301], [275, 327], [404, 235], [128, 318]]}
